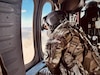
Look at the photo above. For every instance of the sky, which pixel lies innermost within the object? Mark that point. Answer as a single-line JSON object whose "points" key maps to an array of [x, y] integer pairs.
{"points": [[27, 12]]}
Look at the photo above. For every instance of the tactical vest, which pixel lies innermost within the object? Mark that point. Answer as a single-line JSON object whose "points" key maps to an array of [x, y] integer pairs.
{"points": [[75, 50]]}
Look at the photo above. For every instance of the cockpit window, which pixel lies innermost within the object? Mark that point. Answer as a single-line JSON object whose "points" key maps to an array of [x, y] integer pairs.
{"points": [[27, 30], [46, 10]]}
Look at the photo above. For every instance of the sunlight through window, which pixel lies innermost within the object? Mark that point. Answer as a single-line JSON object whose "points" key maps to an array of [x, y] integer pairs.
{"points": [[27, 30]]}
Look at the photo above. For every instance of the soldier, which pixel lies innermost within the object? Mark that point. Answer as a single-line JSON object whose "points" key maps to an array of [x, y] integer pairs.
{"points": [[60, 48], [65, 49]]}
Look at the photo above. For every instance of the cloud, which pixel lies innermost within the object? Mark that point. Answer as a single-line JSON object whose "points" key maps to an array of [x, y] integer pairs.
{"points": [[23, 11], [26, 23]]}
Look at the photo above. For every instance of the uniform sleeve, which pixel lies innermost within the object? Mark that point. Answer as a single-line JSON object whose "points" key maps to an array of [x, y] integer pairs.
{"points": [[53, 53], [54, 50]]}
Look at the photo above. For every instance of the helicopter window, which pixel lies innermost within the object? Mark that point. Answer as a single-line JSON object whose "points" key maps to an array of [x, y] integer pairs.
{"points": [[46, 9], [27, 32]]}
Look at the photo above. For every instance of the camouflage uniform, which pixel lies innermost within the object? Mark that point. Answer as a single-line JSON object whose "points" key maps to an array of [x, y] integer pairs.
{"points": [[64, 51]]}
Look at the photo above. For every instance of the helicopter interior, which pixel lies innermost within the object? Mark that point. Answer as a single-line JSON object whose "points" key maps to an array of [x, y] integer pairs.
{"points": [[11, 55]]}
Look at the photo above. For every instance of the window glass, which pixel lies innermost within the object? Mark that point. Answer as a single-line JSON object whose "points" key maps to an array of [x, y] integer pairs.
{"points": [[46, 10], [27, 30]]}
